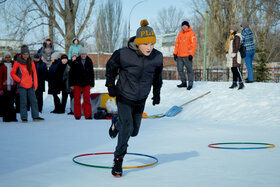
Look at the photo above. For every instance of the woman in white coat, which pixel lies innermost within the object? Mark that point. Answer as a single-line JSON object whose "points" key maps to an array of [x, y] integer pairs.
{"points": [[233, 57]]}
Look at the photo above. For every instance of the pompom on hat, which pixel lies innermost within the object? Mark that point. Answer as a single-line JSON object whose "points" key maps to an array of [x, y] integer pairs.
{"points": [[145, 34]]}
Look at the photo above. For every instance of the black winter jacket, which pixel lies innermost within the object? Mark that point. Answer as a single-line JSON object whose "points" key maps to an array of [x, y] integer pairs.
{"points": [[52, 78], [42, 74], [81, 75], [137, 73]]}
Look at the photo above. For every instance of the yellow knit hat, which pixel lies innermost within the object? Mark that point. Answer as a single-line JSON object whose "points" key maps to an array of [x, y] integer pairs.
{"points": [[145, 34]]}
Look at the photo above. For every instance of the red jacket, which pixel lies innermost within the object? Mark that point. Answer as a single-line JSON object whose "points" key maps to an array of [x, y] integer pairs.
{"points": [[3, 77], [185, 44], [26, 80]]}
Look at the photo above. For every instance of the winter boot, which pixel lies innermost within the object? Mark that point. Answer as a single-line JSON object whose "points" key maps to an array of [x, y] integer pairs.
{"points": [[241, 86], [234, 84], [38, 119], [189, 87], [183, 84], [117, 167], [113, 132]]}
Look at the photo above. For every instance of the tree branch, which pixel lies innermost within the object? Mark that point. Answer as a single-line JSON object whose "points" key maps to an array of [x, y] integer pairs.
{"points": [[86, 19]]}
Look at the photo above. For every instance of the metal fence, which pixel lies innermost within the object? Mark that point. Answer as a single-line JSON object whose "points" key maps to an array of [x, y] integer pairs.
{"points": [[214, 74]]}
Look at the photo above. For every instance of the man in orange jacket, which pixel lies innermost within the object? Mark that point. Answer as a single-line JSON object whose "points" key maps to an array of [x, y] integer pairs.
{"points": [[185, 46]]}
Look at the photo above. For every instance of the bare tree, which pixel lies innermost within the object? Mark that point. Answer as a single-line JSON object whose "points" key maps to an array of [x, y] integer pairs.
{"points": [[107, 31], [68, 14], [168, 20], [222, 14]]}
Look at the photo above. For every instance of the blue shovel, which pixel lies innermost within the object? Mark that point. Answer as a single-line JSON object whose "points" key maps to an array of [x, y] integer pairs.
{"points": [[177, 109]]}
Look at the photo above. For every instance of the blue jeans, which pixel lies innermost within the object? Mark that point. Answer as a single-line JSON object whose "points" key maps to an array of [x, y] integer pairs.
{"points": [[249, 64]]}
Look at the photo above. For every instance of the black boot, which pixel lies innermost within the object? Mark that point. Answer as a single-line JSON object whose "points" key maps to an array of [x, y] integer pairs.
{"points": [[183, 84], [113, 132], [241, 86], [117, 167], [234, 84], [189, 87]]}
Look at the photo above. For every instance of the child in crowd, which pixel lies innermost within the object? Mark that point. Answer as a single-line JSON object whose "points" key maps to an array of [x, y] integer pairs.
{"points": [[74, 48]]}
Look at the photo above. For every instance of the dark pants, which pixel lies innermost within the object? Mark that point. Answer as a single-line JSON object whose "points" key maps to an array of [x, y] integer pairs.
{"points": [[181, 62], [64, 99], [9, 112], [30, 94], [129, 122], [39, 96], [56, 101], [236, 74]]}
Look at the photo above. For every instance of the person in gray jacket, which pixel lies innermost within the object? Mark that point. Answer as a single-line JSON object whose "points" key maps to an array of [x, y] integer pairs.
{"points": [[139, 67]]}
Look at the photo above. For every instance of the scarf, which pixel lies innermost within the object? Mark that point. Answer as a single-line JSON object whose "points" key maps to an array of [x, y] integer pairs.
{"points": [[10, 81]]}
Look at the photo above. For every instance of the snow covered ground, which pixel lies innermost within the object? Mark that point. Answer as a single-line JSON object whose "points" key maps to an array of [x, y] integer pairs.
{"points": [[39, 154]]}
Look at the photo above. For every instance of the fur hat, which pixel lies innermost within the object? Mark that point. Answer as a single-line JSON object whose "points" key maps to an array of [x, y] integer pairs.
{"points": [[185, 23], [55, 55], [83, 51], [145, 34]]}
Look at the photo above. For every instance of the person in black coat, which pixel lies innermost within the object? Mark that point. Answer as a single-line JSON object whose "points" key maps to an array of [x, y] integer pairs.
{"points": [[42, 74], [81, 79], [63, 80], [53, 82], [138, 67]]}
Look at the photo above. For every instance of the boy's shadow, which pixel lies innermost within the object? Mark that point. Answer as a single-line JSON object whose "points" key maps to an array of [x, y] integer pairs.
{"points": [[162, 159]]}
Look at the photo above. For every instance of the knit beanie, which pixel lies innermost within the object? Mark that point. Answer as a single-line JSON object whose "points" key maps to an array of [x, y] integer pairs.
{"points": [[83, 51], [64, 57], [145, 34], [7, 54], [55, 55], [185, 23], [24, 49], [48, 39], [36, 55]]}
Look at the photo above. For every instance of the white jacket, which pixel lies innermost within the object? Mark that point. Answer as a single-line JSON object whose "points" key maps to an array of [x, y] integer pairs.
{"points": [[230, 55]]}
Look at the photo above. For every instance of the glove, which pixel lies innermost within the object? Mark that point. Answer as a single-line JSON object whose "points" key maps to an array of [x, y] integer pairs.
{"points": [[175, 57], [190, 57], [1, 92], [156, 99], [113, 91]]}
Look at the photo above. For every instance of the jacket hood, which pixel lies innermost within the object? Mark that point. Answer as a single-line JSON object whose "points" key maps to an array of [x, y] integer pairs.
{"points": [[75, 38], [131, 45], [189, 29]]}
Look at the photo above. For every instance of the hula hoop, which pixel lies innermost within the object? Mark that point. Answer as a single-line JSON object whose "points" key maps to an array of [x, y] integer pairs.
{"points": [[110, 167], [248, 143]]}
